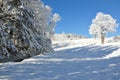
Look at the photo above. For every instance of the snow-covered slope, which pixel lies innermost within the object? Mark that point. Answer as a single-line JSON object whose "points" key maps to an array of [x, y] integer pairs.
{"points": [[84, 59]]}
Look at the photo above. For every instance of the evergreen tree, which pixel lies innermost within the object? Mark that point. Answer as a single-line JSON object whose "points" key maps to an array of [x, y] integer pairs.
{"points": [[23, 24]]}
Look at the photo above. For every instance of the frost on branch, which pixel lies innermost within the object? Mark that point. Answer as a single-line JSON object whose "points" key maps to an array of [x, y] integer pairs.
{"points": [[56, 17], [94, 30], [23, 28]]}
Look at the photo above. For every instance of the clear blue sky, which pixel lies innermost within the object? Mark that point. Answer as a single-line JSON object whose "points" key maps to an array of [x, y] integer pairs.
{"points": [[78, 14]]}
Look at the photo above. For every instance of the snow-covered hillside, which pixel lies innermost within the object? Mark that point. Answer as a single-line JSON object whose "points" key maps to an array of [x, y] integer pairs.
{"points": [[84, 59]]}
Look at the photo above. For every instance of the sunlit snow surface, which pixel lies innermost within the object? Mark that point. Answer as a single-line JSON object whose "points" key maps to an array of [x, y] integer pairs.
{"points": [[73, 60]]}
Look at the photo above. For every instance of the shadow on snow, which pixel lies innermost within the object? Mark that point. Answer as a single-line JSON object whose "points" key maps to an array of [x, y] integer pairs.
{"points": [[66, 65]]}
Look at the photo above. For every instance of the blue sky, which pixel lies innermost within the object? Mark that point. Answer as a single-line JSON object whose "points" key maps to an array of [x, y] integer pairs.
{"points": [[78, 14]]}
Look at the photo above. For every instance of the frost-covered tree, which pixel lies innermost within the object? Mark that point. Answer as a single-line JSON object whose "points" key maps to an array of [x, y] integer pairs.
{"points": [[45, 21], [23, 24], [42, 15], [51, 27], [101, 25]]}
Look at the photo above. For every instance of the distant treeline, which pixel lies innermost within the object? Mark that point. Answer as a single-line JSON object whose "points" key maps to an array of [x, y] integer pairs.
{"points": [[67, 36]]}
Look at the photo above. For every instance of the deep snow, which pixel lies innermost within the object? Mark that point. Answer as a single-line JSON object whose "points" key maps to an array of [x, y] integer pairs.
{"points": [[83, 59]]}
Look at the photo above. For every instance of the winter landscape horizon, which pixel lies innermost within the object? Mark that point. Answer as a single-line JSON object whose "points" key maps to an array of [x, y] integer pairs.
{"points": [[77, 15], [59, 40]]}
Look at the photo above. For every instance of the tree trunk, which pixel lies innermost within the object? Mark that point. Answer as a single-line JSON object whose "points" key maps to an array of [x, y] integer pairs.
{"points": [[102, 38]]}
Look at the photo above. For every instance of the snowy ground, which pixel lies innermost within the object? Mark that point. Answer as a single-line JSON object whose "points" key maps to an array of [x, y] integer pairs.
{"points": [[75, 60]]}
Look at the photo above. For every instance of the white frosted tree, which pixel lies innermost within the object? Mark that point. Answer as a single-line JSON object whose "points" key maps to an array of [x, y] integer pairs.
{"points": [[101, 25], [45, 21], [51, 27], [42, 15]]}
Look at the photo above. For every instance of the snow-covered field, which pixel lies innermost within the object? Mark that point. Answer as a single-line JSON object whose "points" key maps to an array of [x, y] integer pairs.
{"points": [[84, 59]]}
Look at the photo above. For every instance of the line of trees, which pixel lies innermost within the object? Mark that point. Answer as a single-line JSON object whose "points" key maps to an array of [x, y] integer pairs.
{"points": [[67, 36]]}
